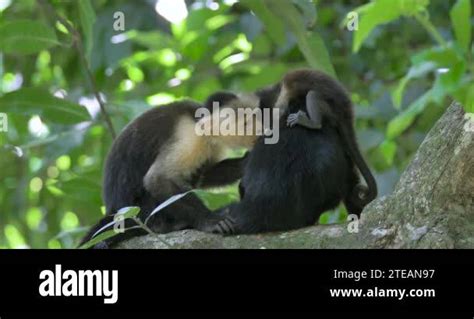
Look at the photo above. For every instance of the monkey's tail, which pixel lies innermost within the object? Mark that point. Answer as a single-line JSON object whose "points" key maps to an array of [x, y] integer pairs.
{"points": [[360, 194]]}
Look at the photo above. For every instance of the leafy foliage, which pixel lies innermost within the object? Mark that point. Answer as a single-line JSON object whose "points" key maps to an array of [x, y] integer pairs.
{"points": [[403, 64], [26, 37], [35, 101]]}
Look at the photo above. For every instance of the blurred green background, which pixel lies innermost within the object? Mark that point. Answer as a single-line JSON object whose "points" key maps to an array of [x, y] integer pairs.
{"points": [[404, 63]]}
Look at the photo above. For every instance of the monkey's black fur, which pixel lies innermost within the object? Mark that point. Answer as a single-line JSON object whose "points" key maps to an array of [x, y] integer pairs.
{"points": [[333, 101], [310, 170], [289, 184]]}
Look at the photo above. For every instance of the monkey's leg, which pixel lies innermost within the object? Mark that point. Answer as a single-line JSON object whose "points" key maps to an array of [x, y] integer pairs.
{"points": [[314, 119], [223, 173]]}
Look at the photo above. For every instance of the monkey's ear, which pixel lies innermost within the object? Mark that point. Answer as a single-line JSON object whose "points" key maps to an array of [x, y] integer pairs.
{"points": [[314, 108]]}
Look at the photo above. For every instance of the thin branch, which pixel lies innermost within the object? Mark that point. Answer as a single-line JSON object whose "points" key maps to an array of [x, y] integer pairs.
{"points": [[77, 41]]}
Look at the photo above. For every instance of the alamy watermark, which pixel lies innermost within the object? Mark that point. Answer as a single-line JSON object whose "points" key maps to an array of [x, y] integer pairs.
{"points": [[119, 21], [352, 23], [79, 283], [353, 225], [241, 121]]}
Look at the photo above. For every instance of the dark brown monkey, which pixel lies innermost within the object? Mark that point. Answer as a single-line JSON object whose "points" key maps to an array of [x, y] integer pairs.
{"points": [[328, 98]]}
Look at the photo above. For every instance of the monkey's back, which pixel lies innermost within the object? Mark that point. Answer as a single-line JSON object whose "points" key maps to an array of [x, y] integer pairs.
{"points": [[292, 182], [134, 151]]}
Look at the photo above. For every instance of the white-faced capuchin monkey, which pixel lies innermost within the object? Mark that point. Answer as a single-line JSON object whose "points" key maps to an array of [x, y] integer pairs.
{"points": [[160, 154], [192, 156]]}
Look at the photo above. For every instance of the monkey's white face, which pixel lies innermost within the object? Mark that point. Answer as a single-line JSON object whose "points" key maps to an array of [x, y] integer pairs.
{"points": [[235, 124]]}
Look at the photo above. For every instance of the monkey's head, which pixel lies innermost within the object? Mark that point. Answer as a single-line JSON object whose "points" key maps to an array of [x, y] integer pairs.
{"points": [[236, 116], [296, 85], [220, 97]]}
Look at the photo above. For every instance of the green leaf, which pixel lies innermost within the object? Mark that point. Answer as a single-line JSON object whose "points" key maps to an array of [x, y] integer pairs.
{"points": [[320, 55], [26, 37], [274, 25], [415, 71], [469, 102], [310, 44], [359, 10], [151, 39], [87, 16], [35, 101], [254, 81], [461, 19], [443, 57], [129, 212], [218, 22], [216, 200], [167, 203], [388, 149], [308, 11], [374, 14], [101, 237], [451, 80], [412, 7], [465, 95], [381, 12], [403, 120], [324, 218]]}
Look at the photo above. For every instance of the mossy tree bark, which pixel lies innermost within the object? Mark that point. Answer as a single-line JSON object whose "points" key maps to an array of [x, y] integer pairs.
{"points": [[432, 205]]}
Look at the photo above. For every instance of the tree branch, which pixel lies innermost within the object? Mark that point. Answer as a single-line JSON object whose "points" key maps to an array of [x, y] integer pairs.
{"points": [[77, 42]]}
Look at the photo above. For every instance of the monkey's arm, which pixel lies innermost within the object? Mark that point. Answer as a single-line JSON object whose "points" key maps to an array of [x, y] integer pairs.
{"points": [[315, 113], [223, 173]]}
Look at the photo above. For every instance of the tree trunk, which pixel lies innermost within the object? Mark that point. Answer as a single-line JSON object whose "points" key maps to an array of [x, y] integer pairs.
{"points": [[432, 206]]}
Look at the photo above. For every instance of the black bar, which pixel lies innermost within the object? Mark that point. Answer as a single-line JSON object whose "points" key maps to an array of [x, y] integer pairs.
{"points": [[240, 280]]}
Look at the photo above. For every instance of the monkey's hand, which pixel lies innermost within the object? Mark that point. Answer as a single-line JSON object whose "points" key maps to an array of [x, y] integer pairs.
{"points": [[224, 225], [302, 119]]}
